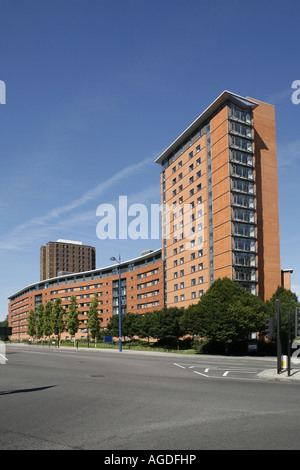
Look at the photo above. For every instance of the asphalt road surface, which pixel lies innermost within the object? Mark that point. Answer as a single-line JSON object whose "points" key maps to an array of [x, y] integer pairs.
{"points": [[90, 399]]}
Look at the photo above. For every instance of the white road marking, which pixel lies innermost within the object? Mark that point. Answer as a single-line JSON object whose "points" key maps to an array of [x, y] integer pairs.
{"points": [[178, 365], [196, 372]]}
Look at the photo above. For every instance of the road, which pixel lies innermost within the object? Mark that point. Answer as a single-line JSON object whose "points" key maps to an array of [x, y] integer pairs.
{"points": [[54, 398]]}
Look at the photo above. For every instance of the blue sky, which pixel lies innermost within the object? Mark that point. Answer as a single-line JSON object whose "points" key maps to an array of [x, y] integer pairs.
{"points": [[96, 90]]}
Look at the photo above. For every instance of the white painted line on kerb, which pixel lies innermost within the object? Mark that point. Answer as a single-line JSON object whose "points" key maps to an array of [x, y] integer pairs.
{"points": [[178, 365]]}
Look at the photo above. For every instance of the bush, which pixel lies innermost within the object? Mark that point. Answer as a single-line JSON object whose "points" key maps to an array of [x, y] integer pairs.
{"points": [[236, 348]]}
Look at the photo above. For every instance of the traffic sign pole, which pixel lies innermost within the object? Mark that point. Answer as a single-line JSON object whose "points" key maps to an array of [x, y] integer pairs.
{"points": [[278, 315]]}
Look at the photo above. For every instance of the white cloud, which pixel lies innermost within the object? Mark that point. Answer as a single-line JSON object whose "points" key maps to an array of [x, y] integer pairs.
{"points": [[280, 96], [296, 289], [39, 228], [288, 153]]}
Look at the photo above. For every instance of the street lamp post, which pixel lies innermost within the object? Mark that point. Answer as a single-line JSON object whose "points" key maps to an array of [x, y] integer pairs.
{"points": [[120, 309]]}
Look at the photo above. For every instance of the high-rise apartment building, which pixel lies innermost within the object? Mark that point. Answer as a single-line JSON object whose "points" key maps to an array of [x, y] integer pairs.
{"points": [[65, 256], [220, 193], [220, 218]]}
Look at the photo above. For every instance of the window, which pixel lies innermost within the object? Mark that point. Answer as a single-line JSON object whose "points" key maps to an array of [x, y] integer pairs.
{"points": [[240, 129], [237, 113], [241, 143], [243, 201], [241, 157]]}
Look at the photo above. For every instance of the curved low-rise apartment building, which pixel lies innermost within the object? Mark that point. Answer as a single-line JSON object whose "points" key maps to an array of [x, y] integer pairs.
{"points": [[142, 290]]}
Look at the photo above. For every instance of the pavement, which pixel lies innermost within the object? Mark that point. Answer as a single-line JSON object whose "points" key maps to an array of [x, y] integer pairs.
{"points": [[272, 374]]}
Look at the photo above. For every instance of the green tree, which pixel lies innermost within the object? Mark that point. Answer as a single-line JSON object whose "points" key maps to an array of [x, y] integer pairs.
{"points": [[31, 325], [191, 320], [130, 324], [4, 323], [226, 312], [166, 325], [47, 324], [73, 321], [112, 327], [146, 325], [40, 321], [57, 317], [94, 320], [289, 302]]}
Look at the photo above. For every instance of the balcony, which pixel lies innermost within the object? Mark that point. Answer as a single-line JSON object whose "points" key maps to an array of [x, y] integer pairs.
{"points": [[244, 216], [242, 201], [245, 260], [242, 158], [244, 245], [246, 275], [244, 230], [242, 144]]}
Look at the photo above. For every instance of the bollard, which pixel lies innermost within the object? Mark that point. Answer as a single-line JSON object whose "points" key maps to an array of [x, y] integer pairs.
{"points": [[284, 362]]}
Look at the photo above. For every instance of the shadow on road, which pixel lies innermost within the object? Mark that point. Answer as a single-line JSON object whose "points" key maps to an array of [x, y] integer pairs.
{"points": [[26, 390]]}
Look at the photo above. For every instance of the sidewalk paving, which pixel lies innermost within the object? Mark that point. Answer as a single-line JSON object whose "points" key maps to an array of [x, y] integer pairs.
{"points": [[271, 374]]}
